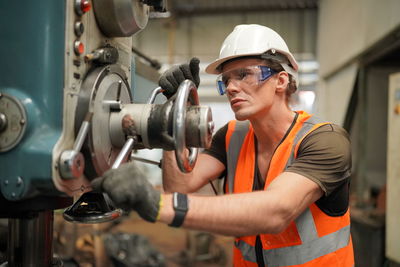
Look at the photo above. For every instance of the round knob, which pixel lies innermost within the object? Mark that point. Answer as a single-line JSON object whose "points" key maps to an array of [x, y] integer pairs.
{"points": [[79, 48], [82, 6], [72, 164], [79, 28], [3, 122]]}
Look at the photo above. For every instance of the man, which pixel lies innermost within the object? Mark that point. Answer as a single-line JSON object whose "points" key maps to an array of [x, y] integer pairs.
{"points": [[287, 173]]}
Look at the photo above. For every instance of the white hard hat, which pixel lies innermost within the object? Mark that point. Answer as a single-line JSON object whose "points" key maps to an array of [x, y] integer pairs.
{"points": [[253, 40]]}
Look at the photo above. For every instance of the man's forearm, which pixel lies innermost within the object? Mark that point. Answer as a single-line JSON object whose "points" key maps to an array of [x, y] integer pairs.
{"points": [[234, 215], [268, 211]]}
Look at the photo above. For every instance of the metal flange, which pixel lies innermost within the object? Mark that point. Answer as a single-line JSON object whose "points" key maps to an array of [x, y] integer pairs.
{"points": [[104, 89], [13, 121]]}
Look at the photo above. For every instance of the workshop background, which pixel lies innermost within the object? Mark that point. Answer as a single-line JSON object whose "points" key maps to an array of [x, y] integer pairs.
{"points": [[349, 58]]}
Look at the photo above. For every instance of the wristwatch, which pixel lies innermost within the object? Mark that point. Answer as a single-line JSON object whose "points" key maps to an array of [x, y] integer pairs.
{"points": [[180, 204]]}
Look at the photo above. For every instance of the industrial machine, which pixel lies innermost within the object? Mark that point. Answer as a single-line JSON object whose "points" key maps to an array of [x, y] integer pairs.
{"points": [[67, 113]]}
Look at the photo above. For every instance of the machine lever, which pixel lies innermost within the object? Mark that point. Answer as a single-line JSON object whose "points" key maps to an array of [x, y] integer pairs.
{"points": [[83, 131], [126, 149], [119, 90], [103, 56], [154, 94], [72, 162], [96, 207]]}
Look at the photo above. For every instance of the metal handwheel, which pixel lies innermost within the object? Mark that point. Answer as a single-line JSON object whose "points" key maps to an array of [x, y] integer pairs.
{"points": [[186, 93]]}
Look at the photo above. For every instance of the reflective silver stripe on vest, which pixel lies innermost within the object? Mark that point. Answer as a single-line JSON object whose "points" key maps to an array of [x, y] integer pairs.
{"points": [[296, 255], [306, 252], [248, 251], [305, 128], [235, 144], [306, 226]]}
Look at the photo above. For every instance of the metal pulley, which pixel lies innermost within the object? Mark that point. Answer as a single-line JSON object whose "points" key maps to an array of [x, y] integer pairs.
{"points": [[121, 18]]}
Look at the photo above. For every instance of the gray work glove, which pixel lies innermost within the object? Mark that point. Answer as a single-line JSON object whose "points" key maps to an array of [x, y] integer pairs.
{"points": [[172, 78], [129, 189]]}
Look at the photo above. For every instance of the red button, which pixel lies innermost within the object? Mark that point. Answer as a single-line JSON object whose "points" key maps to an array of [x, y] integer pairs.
{"points": [[79, 48], [85, 6]]}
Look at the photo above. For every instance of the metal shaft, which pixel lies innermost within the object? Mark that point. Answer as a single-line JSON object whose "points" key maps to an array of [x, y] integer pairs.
{"points": [[30, 240], [81, 136], [157, 163], [83, 131], [126, 149]]}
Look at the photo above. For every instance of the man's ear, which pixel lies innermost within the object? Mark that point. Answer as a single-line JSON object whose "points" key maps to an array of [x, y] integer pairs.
{"points": [[282, 81]]}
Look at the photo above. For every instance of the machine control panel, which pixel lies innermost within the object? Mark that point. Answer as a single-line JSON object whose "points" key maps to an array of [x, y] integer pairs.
{"points": [[88, 49]]}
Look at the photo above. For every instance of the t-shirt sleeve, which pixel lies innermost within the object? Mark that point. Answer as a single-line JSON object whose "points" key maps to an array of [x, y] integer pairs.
{"points": [[217, 148], [324, 156]]}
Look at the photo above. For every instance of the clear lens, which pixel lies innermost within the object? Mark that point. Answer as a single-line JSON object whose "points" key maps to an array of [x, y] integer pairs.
{"points": [[248, 76]]}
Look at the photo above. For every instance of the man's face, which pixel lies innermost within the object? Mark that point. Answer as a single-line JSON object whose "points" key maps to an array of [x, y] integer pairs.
{"points": [[248, 98]]}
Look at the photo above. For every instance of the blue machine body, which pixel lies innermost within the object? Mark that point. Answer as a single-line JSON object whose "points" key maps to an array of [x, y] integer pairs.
{"points": [[32, 71], [48, 79]]}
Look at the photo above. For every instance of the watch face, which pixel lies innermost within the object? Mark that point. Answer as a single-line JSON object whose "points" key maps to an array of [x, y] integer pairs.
{"points": [[180, 202]]}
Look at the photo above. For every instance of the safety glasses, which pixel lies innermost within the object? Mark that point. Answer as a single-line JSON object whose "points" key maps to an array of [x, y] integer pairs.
{"points": [[248, 76]]}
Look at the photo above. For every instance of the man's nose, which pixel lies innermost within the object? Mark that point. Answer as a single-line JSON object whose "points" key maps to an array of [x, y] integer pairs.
{"points": [[232, 87]]}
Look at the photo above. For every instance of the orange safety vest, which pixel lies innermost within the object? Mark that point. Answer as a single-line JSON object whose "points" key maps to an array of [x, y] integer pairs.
{"points": [[314, 238]]}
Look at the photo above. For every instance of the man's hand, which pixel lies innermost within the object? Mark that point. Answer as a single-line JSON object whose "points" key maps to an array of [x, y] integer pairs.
{"points": [[129, 189], [172, 78]]}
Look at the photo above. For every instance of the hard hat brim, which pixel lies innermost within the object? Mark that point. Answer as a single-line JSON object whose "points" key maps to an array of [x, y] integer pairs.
{"points": [[214, 68]]}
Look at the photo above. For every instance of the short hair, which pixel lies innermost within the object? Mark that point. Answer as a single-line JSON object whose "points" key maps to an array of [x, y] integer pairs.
{"points": [[276, 66]]}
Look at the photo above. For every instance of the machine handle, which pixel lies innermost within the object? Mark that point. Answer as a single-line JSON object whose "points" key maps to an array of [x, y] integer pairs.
{"points": [[83, 131], [99, 206], [126, 149], [72, 162], [187, 91], [154, 94], [114, 212]]}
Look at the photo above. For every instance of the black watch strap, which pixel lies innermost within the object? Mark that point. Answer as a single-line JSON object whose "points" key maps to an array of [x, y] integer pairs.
{"points": [[180, 204]]}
